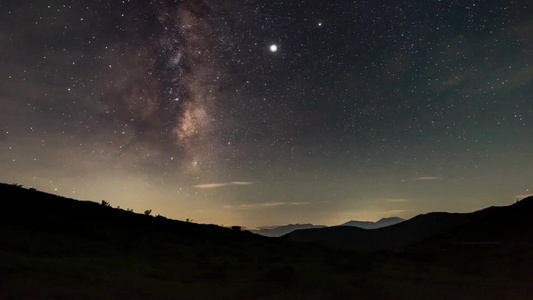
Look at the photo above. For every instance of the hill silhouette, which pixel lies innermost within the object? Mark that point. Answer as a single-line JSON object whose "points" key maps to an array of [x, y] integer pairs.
{"points": [[384, 222], [499, 221], [86, 219], [58, 248], [277, 231]]}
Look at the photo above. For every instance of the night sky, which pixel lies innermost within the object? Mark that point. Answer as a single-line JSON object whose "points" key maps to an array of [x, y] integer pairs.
{"points": [[256, 113]]}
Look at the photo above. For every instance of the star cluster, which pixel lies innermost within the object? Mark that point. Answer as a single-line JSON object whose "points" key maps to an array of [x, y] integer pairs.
{"points": [[268, 112]]}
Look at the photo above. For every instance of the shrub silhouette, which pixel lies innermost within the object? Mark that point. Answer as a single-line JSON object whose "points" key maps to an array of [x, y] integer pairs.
{"points": [[105, 203], [236, 228], [147, 212]]}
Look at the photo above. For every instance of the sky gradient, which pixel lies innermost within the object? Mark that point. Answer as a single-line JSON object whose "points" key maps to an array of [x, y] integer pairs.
{"points": [[260, 113]]}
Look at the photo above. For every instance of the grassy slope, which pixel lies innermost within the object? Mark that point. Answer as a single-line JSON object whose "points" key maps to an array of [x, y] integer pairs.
{"points": [[57, 248]]}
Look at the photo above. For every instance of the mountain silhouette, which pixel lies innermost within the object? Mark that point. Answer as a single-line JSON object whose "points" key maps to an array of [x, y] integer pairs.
{"points": [[384, 222], [492, 223], [277, 231]]}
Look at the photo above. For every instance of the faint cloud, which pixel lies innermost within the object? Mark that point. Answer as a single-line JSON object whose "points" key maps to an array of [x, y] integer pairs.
{"points": [[209, 185], [396, 200], [217, 185], [427, 178], [299, 203], [264, 205], [241, 183]]}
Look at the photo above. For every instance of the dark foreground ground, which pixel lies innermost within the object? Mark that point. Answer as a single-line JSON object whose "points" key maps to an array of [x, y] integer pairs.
{"points": [[57, 248]]}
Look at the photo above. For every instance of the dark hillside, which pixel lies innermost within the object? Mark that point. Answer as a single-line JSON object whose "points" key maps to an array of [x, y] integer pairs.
{"points": [[498, 242], [30, 209], [492, 223], [395, 237], [58, 248]]}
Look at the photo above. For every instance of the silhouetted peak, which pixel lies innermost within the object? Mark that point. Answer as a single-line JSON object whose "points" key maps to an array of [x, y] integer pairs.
{"points": [[526, 203], [384, 222], [390, 219]]}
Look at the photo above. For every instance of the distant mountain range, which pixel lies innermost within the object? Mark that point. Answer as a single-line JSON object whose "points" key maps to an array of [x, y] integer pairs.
{"points": [[489, 226], [374, 225], [277, 231]]}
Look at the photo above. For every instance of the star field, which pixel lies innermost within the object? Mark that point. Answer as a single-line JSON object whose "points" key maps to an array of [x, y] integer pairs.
{"points": [[270, 112]]}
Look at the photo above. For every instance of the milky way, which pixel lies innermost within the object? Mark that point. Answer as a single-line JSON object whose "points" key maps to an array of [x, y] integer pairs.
{"points": [[175, 83], [268, 112]]}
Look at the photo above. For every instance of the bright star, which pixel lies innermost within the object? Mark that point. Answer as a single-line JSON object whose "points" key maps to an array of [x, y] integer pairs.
{"points": [[273, 48]]}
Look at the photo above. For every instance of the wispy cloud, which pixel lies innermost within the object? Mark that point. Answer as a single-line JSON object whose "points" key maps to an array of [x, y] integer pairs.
{"points": [[396, 200], [209, 185], [299, 203], [217, 185], [264, 205], [241, 182], [427, 178]]}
